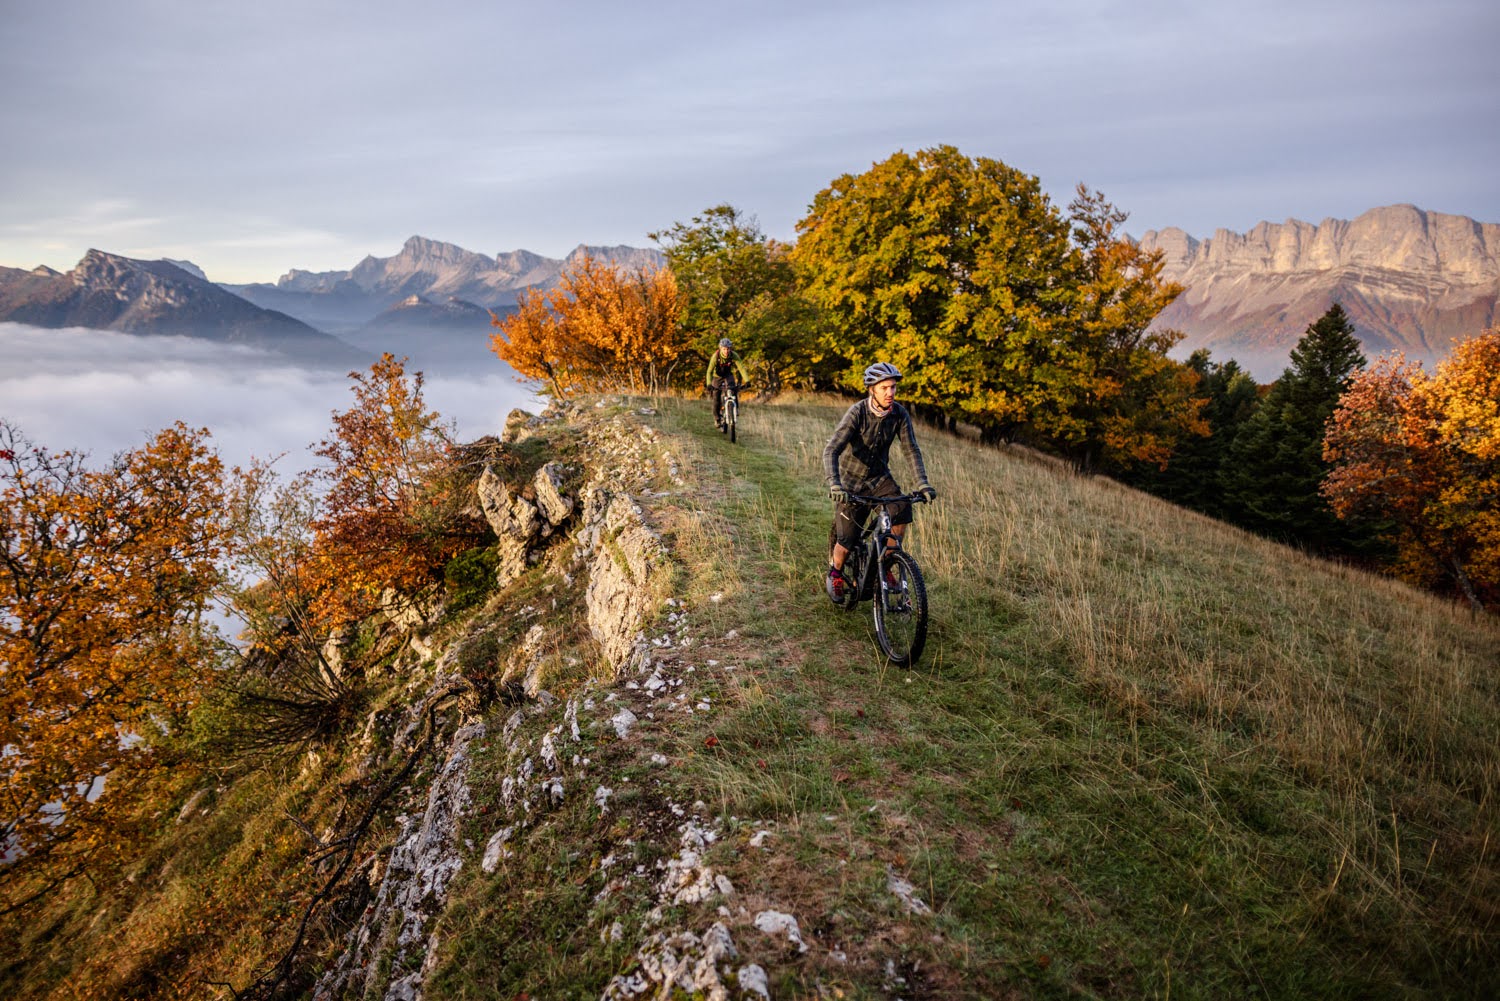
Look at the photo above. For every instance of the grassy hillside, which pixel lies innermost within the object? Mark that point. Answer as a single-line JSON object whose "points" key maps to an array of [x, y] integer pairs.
{"points": [[1144, 755]]}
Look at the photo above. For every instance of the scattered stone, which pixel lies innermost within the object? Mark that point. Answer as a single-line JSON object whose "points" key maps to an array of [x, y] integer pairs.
{"points": [[191, 805], [697, 967], [554, 504], [752, 980], [906, 892], [776, 923], [623, 721], [495, 850]]}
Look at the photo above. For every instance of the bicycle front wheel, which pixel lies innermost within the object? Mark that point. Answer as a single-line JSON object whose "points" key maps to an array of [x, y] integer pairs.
{"points": [[900, 608], [734, 418]]}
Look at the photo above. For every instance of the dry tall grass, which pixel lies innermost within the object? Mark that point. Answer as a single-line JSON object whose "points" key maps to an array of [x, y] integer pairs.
{"points": [[1372, 709]]}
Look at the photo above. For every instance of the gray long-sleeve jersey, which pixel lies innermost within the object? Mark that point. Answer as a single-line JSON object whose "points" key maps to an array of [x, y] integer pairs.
{"points": [[858, 455]]}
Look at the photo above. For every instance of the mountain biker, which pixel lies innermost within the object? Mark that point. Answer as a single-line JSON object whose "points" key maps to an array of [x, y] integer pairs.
{"points": [[723, 364], [863, 442]]}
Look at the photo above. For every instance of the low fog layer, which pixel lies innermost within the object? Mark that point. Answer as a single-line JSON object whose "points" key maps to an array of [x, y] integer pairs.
{"points": [[102, 392]]}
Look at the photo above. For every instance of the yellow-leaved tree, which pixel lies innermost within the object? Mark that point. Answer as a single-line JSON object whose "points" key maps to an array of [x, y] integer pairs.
{"points": [[1109, 393], [104, 578], [598, 330]]}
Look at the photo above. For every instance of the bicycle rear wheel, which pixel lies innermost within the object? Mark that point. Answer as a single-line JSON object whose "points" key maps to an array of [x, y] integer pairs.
{"points": [[900, 610]]}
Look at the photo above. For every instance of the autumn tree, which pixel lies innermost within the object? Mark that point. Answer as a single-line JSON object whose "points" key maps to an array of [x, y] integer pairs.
{"points": [[1108, 392], [1277, 467], [597, 330], [271, 583], [379, 525], [735, 282], [104, 577], [954, 269], [1423, 453], [722, 262]]}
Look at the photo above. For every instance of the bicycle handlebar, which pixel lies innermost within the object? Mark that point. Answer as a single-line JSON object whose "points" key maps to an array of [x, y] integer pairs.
{"points": [[917, 498]]}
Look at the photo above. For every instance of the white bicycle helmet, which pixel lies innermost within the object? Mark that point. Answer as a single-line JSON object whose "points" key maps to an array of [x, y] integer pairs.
{"points": [[725, 342], [881, 371]]}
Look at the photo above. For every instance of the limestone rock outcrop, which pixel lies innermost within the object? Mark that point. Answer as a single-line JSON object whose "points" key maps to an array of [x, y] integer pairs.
{"points": [[595, 537], [625, 561], [522, 519]]}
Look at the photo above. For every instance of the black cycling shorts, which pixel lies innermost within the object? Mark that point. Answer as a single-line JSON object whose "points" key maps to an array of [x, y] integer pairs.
{"points": [[849, 518]]}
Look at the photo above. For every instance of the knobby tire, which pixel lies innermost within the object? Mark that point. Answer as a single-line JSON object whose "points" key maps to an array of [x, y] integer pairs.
{"points": [[902, 631]]}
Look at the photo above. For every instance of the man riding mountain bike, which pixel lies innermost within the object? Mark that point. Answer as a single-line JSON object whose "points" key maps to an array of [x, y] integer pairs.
{"points": [[723, 365], [857, 461]]}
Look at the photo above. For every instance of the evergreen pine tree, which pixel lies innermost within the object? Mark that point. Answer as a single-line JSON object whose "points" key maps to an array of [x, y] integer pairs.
{"points": [[1193, 475], [1276, 465]]}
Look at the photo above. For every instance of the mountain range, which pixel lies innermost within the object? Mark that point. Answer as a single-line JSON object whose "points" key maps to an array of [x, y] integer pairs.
{"points": [[432, 302], [342, 302], [1410, 281], [109, 292]]}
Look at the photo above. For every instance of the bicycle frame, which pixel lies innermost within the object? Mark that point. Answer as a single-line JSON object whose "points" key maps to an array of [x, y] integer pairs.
{"points": [[890, 579], [875, 536]]}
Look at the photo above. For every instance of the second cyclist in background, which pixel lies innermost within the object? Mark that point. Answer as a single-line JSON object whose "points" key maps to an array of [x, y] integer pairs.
{"points": [[857, 460], [724, 369]]}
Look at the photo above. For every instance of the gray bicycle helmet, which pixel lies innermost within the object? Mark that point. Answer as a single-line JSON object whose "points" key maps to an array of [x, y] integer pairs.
{"points": [[725, 342], [881, 371]]}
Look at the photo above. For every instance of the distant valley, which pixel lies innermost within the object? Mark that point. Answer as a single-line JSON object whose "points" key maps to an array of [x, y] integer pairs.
{"points": [[432, 302]]}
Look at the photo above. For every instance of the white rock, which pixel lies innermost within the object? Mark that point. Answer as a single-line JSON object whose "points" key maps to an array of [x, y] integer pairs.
{"points": [[907, 893], [753, 980], [623, 721], [777, 923], [495, 850]]}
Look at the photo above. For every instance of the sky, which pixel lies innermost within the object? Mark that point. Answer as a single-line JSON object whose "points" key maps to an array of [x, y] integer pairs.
{"points": [[253, 138]]}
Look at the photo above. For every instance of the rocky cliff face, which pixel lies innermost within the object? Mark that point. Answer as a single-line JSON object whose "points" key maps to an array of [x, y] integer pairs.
{"points": [[109, 292], [1410, 281], [562, 528]]}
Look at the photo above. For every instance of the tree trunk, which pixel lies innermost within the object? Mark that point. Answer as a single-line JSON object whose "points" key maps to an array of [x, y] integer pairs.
{"points": [[1456, 569]]}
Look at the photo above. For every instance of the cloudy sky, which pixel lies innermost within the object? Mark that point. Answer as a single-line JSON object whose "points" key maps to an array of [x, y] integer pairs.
{"points": [[251, 138]]}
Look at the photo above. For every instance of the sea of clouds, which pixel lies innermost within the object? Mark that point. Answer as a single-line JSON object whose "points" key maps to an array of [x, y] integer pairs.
{"points": [[101, 393]]}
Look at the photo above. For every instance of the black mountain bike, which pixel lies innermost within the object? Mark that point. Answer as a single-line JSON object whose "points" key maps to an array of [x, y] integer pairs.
{"points": [[729, 409], [890, 580]]}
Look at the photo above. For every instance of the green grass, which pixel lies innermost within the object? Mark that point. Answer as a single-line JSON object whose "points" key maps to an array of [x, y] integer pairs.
{"points": [[1145, 754]]}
